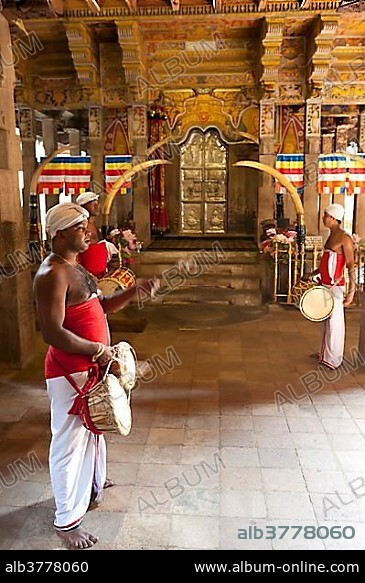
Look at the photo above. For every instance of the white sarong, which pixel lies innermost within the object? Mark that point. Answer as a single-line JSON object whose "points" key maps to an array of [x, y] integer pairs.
{"points": [[77, 457], [333, 331]]}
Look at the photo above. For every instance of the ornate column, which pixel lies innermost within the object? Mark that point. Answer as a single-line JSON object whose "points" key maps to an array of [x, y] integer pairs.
{"points": [[74, 139], [49, 132], [312, 150], [266, 202], [17, 330], [360, 205], [323, 41], [137, 127], [26, 124], [96, 151], [271, 59]]}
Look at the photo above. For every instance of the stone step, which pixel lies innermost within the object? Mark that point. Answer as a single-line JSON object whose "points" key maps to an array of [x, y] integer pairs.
{"points": [[222, 270], [210, 295], [212, 280], [173, 257]]}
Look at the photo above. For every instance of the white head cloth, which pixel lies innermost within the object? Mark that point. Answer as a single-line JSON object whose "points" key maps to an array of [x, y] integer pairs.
{"points": [[336, 211], [64, 215]]}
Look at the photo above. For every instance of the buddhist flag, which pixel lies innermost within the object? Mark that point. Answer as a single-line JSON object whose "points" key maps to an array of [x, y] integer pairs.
{"points": [[115, 166], [332, 174], [77, 170], [292, 167], [52, 178], [356, 176]]}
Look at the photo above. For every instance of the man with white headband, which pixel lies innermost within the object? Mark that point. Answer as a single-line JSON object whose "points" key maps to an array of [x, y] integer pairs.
{"points": [[338, 253], [101, 256], [72, 321]]}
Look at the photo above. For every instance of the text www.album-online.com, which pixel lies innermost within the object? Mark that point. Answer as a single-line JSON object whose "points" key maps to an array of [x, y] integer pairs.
{"points": [[300, 567]]}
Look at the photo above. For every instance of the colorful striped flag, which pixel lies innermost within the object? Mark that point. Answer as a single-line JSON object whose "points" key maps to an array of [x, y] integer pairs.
{"points": [[70, 174], [52, 179], [356, 176], [115, 166], [77, 171], [292, 167], [332, 174]]}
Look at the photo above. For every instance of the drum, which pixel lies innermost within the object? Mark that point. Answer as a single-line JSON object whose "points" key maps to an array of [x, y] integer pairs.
{"points": [[315, 301], [108, 403], [121, 278]]}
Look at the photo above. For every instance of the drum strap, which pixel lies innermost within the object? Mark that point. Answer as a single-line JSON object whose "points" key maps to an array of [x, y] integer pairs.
{"points": [[79, 406]]}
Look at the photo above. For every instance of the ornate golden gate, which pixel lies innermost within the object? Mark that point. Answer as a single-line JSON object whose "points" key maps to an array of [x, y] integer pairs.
{"points": [[203, 184]]}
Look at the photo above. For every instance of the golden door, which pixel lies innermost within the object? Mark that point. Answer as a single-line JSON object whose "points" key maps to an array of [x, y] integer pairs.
{"points": [[203, 184]]}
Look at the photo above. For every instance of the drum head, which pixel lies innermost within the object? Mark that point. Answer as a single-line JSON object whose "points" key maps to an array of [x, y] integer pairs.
{"points": [[128, 365], [316, 304], [108, 285]]}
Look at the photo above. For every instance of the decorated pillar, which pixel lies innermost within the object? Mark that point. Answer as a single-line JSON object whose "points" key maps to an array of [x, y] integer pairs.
{"points": [[312, 150], [17, 330], [26, 124], [50, 143], [266, 202], [96, 152], [137, 129], [74, 139], [360, 204]]}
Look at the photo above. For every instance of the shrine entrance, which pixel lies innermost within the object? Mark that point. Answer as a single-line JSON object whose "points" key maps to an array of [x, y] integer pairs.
{"points": [[203, 184]]}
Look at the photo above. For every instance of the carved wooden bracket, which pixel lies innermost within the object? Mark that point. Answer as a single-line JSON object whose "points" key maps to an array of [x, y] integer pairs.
{"points": [[130, 41], [84, 53], [272, 56]]}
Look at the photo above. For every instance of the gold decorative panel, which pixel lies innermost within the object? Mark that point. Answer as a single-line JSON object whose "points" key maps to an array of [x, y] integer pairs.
{"points": [[203, 181]]}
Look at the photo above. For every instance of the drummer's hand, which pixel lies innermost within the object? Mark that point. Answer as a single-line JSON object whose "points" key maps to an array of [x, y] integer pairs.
{"points": [[106, 356], [113, 265], [148, 285], [349, 298]]}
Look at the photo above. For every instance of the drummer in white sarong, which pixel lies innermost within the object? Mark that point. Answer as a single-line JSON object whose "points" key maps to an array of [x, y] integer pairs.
{"points": [[338, 254], [72, 321]]}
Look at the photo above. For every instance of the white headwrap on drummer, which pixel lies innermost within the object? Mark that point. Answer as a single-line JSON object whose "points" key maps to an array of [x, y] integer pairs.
{"points": [[64, 215], [336, 211]]}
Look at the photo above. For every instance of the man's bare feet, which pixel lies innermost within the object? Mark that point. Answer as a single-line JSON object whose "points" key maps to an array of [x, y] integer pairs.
{"points": [[77, 538], [108, 483], [93, 504]]}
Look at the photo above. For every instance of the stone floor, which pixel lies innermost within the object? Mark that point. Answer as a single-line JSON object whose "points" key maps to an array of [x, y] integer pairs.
{"points": [[210, 452]]}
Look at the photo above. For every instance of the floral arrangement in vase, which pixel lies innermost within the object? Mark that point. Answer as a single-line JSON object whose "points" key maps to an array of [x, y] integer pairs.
{"points": [[126, 242], [282, 238]]}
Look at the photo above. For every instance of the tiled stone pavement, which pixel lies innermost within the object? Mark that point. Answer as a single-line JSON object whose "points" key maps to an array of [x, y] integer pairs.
{"points": [[209, 452]]}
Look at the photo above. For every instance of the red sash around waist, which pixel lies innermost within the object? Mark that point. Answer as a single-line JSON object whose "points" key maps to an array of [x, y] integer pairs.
{"points": [[331, 268], [86, 320]]}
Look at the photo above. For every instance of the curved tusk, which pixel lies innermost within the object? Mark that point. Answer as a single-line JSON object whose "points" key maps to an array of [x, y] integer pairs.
{"points": [[282, 179], [357, 159], [249, 137], [125, 178], [155, 147], [42, 165]]}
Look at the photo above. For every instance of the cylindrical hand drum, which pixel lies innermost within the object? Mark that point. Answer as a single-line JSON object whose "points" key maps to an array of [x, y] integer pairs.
{"points": [[120, 278], [314, 301]]}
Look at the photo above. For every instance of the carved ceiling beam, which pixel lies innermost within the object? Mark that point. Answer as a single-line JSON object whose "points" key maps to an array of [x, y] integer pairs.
{"points": [[322, 57], [130, 41], [271, 58], [83, 48]]}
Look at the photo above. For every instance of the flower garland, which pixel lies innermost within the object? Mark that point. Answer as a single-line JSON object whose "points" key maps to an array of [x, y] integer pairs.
{"points": [[127, 243]]}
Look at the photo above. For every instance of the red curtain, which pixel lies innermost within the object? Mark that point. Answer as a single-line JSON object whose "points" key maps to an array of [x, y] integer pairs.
{"points": [[157, 175]]}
